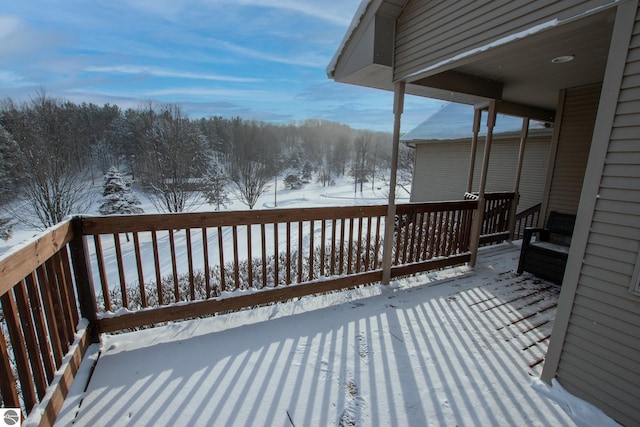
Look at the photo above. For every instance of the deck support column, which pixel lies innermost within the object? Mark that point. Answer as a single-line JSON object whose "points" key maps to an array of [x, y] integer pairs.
{"points": [[516, 187], [477, 118], [398, 106], [476, 225]]}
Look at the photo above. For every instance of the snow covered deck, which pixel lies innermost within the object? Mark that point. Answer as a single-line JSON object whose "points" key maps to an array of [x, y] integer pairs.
{"points": [[455, 347]]}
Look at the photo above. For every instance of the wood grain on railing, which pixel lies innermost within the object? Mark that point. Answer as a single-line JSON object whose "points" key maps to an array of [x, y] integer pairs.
{"points": [[207, 262], [495, 223], [212, 254], [526, 218], [39, 318], [428, 233], [218, 252]]}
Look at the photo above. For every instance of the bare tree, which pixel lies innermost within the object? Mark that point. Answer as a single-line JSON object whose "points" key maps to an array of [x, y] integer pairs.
{"points": [[8, 162], [53, 183], [361, 146], [177, 160], [250, 180], [254, 160]]}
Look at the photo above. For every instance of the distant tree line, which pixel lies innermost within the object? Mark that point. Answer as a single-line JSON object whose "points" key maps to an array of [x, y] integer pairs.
{"points": [[50, 150]]}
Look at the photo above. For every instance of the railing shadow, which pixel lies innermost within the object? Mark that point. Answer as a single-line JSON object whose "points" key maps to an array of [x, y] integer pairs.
{"points": [[415, 356]]}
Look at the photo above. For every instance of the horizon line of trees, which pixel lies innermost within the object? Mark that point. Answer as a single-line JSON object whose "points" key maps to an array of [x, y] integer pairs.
{"points": [[50, 149]]}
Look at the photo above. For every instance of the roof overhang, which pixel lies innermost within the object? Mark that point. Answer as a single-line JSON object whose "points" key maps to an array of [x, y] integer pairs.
{"points": [[517, 70]]}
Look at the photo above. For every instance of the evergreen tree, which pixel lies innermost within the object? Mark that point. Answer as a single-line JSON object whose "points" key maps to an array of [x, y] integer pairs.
{"points": [[215, 181], [118, 198]]}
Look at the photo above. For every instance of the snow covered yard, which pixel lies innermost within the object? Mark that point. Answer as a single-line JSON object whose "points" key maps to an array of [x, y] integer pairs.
{"points": [[454, 347]]}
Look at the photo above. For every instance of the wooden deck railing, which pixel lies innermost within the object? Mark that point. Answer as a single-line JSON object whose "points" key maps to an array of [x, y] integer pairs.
{"points": [[98, 274], [495, 223], [526, 218], [42, 340]]}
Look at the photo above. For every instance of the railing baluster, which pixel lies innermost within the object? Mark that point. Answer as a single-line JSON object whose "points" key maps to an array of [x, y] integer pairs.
{"points": [[276, 251], [104, 284], [174, 267], [223, 283], [323, 244], [63, 257], [39, 319], [156, 263], [57, 308], [10, 312], [288, 269], [50, 316], [311, 254], [411, 238], [123, 283], [300, 250], [205, 255], [263, 239], [236, 261], [249, 258], [192, 285], [377, 244], [66, 306], [350, 253], [367, 255], [342, 233], [10, 398], [359, 246], [31, 340], [136, 250], [334, 224]]}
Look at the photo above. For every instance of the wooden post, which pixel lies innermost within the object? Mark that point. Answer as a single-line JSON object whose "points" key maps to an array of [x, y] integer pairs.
{"points": [[476, 227], [516, 187], [477, 118], [398, 105], [83, 278]]}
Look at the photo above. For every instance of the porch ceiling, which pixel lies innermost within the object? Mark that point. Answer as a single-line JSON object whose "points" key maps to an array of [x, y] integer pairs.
{"points": [[521, 71]]}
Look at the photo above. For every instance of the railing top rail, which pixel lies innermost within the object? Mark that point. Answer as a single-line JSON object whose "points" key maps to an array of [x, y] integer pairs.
{"points": [[149, 222], [499, 195], [25, 259], [528, 211], [435, 206]]}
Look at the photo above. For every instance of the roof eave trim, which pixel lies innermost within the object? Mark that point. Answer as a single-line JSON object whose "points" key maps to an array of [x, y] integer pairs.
{"points": [[355, 24]]}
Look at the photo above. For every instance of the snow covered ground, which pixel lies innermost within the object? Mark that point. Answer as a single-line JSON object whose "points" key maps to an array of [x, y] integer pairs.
{"points": [[310, 195], [412, 353]]}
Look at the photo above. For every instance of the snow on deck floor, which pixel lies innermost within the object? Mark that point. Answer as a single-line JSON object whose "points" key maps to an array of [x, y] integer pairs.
{"points": [[446, 348]]}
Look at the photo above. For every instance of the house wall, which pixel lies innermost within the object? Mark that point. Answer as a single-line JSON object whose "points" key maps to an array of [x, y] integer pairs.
{"points": [[595, 345], [429, 31], [570, 156], [441, 169]]}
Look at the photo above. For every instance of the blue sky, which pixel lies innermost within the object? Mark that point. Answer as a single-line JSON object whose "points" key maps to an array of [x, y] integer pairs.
{"points": [[257, 59]]}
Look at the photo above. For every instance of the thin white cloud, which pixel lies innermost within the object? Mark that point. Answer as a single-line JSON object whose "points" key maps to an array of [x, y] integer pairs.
{"points": [[160, 72], [17, 39], [318, 10], [306, 61], [250, 94]]}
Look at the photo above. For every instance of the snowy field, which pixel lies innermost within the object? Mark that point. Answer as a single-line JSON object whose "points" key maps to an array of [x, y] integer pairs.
{"points": [[310, 195], [409, 354]]}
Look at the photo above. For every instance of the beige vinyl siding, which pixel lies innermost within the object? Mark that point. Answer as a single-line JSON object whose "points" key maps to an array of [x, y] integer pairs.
{"points": [[428, 32], [437, 170], [441, 169], [600, 358], [572, 153]]}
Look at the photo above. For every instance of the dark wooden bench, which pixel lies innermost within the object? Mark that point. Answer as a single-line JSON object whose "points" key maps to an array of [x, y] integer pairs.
{"points": [[546, 257]]}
